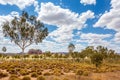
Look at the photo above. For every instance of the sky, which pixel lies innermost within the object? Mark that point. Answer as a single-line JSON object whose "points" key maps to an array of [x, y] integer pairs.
{"points": [[81, 22]]}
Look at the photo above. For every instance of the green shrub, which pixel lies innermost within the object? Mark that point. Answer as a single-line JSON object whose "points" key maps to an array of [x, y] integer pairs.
{"points": [[34, 74], [26, 78], [97, 59], [41, 78]]}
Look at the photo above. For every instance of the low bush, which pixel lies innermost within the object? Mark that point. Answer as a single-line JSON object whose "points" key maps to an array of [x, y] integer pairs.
{"points": [[34, 74], [86, 73], [26, 78], [2, 75], [57, 72], [24, 72], [41, 78], [47, 74], [12, 71], [14, 77], [39, 72], [79, 72]]}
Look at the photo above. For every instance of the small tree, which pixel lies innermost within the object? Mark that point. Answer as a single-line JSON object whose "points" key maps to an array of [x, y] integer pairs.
{"points": [[102, 50], [48, 54], [71, 47], [25, 30], [4, 49], [97, 59]]}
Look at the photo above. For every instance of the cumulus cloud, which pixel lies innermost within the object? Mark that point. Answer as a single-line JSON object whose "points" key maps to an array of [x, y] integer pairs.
{"points": [[88, 2], [64, 19], [95, 39], [110, 19], [20, 3], [117, 38], [79, 47], [94, 36]]}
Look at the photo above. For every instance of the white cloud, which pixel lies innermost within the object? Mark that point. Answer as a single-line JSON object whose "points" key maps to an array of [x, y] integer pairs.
{"points": [[20, 3], [88, 2], [117, 38], [52, 46], [111, 19], [94, 36], [9, 17], [36, 5], [94, 39], [79, 47], [64, 19]]}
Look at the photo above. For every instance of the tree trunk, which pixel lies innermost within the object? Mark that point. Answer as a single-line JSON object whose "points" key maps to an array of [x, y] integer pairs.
{"points": [[23, 50]]}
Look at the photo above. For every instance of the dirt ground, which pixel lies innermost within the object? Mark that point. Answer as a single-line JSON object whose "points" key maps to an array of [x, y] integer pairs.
{"points": [[92, 76]]}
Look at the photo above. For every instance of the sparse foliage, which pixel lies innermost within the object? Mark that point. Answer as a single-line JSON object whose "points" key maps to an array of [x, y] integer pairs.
{"points": [[71, 47], [97, 59], [25, 30], [4, 49]]}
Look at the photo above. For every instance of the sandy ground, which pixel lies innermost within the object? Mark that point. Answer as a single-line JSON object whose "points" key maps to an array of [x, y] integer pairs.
{"points": [[92, 76]]}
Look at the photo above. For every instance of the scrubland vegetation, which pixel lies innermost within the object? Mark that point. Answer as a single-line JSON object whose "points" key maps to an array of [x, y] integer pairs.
{"points": [[89, 64]]}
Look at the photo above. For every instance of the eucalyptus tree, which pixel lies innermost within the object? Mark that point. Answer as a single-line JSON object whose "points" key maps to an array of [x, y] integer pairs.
{"points": [[102, 50], [4, 49], [97, 59], [87, 52], [71, 47], [25, 30]]}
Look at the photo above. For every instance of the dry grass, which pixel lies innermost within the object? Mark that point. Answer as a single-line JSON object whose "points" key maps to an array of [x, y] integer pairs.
{"points": [[59, 70]]}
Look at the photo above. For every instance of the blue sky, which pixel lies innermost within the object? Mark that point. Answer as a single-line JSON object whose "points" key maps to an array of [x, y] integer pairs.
{"points": [[82, 22]]}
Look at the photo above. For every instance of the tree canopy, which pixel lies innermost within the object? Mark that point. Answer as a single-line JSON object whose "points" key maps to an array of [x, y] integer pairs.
{"points": [[4, 49], [71, 47], [25, 30]]}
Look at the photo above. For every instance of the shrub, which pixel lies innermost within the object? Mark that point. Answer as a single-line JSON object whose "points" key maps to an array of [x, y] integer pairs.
{"points": [[14, 77], [57, 72], [97, 59], [41, 78], [17, 69], [3, 75], [86, 73], [47, 74], [12, 71], [26, 78], [39, 72], [23, 72], [34, 74], [79, 72]]}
